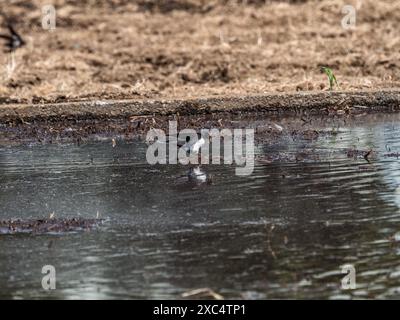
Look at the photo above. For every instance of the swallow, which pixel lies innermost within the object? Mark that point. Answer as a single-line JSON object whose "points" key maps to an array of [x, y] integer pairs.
{"points": [[13, 40]]}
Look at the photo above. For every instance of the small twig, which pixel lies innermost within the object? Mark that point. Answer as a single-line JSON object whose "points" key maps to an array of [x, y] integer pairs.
{"points": [[269, 232], [202, 292]]}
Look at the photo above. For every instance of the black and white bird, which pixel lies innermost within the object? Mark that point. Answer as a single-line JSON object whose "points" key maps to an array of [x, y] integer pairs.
{"points": [[193, 147], [13, 39], [197, 175]]}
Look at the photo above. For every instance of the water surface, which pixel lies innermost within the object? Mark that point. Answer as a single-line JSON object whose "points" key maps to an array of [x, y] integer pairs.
{"points": [[283, 232]]}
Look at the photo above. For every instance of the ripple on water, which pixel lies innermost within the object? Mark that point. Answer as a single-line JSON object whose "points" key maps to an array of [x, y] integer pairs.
{"points": [[283, 232]]}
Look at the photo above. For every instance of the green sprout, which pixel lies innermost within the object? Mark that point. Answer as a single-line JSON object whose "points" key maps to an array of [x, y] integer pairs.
{"points": [[331, 77]]}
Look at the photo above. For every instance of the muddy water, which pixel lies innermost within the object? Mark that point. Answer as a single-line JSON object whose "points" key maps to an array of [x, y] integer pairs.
{"points": [[283, 232]]}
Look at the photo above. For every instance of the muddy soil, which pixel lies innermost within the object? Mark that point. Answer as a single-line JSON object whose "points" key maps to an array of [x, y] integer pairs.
{"points": [[58, 122], [47, 225], [186, 49]]}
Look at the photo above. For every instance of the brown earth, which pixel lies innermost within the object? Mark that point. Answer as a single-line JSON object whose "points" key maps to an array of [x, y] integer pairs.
{"points": [[188, 49], [322, 103], [302, 114]]}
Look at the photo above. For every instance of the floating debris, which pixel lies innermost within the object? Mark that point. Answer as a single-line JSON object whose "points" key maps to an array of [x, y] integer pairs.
{"points": [[202, 293], [355, 153], [50, 225], [278, 127], [367, 155], [392, 155], [366, 168]]}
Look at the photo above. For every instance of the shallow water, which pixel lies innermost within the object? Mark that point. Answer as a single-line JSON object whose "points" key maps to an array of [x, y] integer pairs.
{"points": [[283, 232]]}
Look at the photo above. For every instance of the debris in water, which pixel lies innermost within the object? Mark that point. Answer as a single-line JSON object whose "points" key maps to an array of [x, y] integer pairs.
{"points": [[354, 153], [367, 155], [278, 127], [47, 225], [285, 240], [367, 168], [202, 293], [269, 247], [392, 155]]}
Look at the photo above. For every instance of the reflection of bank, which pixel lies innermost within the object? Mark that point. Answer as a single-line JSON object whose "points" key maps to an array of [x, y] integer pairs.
{"points": [[382, 173], [38, 180], [391, 178], [386, 139]]}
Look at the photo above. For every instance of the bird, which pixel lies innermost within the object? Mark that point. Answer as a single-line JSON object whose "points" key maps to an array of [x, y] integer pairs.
{"points": [[13, 40], [193, 147], [195, 174]]}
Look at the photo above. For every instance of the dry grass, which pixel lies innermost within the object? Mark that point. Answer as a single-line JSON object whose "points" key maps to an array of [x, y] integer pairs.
{"points": [[189, 48]]}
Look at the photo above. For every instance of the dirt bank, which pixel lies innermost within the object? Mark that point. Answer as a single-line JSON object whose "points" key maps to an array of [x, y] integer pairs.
{"points": [[109, 62], [74, 121], [311, 103]]}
